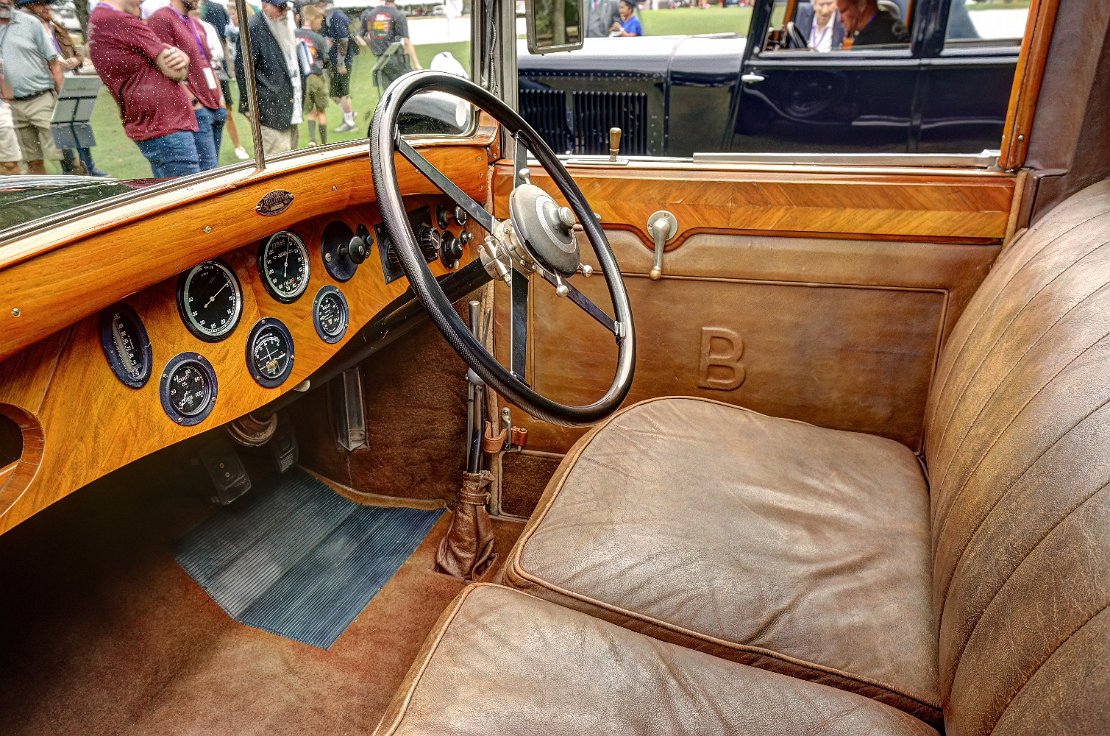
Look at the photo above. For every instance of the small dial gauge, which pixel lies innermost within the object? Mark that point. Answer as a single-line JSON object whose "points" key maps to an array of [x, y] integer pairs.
{"points": [[126, 345], [283, 265], [460, 216], [188, 388], [210, 300], [269, 352], [330, 314]]}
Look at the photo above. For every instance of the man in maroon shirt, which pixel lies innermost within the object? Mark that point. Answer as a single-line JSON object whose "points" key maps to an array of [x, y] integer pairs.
{"points": [[143, 75], [173, 25]]}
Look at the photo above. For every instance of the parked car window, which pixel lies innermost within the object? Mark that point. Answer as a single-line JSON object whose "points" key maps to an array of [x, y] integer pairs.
{"points": [[845, 76], [985, 22]]}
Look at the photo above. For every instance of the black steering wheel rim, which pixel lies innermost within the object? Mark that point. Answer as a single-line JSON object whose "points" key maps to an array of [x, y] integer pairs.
{"points": [[384, 137]]}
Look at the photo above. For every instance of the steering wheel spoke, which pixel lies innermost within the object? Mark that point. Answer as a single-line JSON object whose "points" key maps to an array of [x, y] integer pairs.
{"points": [[518, 326], [448, 187], [563, 287]]}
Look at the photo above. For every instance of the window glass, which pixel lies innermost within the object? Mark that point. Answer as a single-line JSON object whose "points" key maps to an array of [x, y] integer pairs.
{"points": [[985, 22], [112, 96], [349, 56], [825, 76]]}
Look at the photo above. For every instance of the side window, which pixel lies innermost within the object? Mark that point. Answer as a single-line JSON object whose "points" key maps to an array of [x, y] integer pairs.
{"points": [[828, 25]]}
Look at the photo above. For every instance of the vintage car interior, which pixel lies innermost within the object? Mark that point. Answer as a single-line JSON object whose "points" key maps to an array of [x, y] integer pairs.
{"points": [[449, 434]]}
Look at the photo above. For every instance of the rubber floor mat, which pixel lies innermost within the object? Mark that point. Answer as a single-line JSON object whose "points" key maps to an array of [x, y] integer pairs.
{"points": [[298, 560]]}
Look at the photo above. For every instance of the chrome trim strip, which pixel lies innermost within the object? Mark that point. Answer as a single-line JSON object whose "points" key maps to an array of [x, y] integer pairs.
{"points": [[983, 160]]}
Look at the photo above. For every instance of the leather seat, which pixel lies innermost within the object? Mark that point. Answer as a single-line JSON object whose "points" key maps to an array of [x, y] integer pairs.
{"points": [[503, 662], [765, 541], [753, 548]]}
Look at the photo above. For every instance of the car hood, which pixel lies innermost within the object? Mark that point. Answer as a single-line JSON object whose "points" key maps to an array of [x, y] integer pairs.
{"points": [[26, 198], [639, 55]]}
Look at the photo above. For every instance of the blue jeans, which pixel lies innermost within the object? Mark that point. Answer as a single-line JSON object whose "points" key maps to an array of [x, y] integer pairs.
{"points": [[173, 154], [210, 131]]}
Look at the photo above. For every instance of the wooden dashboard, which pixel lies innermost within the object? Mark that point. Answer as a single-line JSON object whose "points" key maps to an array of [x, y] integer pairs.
{"points": [[76, 420]]}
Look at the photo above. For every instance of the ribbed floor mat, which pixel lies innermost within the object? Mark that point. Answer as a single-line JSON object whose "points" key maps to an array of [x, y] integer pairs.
{"points": [[298, 560]]}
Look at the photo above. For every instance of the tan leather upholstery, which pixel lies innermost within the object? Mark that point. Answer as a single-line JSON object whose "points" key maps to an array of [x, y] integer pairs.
{"points": [[757, 539], [502, 662], [808, 551], [1018, 448]]}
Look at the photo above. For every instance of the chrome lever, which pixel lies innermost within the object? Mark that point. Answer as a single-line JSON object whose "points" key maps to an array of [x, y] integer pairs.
{"points": [[662, 226], [751, 78]]}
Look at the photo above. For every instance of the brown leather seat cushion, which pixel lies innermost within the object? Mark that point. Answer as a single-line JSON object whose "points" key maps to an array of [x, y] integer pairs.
{"points": [[765, 541], [502, 662]]}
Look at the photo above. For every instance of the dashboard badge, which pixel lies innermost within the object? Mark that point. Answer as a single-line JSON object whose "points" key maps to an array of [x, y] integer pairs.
{"points": [[274, 203]]}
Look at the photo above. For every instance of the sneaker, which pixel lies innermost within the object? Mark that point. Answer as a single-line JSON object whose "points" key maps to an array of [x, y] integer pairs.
{"points": [[241, 153], [97, 171], [313, 143], [344, 128]]}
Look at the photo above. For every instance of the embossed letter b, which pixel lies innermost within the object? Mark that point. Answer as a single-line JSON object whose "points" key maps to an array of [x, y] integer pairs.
{"points": [[721, 349]]}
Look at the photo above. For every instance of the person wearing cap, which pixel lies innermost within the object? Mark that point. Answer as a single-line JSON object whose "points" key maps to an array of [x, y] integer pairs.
{"points": [[341, 57], [33, 74], [277, 76], [173, 25], [142, 73]]}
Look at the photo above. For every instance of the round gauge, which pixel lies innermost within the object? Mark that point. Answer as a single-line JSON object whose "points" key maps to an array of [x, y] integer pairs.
{"points": [[335, 250], [269, 352], [126, 345], [188, 388], [330, 314], [460, 216], [210, 300], [283, 265]]}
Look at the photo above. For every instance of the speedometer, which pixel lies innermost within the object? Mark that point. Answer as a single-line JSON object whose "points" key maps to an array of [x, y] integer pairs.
{"points": [[283, 265], [210, 300]]}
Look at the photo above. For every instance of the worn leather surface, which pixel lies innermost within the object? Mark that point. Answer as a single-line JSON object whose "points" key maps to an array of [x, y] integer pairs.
{"points": [[467, 549], [765, 541], [1018, 448], [567, 673], [838, 333]]}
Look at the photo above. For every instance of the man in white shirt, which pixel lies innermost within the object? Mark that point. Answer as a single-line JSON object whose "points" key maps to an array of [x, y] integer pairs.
{"points": [[818, 21]]}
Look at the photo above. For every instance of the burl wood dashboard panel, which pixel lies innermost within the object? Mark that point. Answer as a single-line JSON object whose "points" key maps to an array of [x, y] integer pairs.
{"points": [[80, 422]]}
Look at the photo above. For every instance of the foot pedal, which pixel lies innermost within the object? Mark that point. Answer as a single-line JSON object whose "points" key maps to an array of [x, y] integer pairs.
{"points": [[226, 471], [283, 448]]}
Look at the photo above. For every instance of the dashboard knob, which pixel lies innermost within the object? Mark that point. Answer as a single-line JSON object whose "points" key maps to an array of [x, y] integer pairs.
{"points": [[357, 249], [430, 241], [451, 251]]}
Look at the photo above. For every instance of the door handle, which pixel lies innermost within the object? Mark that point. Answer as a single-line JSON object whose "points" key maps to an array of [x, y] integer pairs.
{"points": [[751, 78], [662, 226]]}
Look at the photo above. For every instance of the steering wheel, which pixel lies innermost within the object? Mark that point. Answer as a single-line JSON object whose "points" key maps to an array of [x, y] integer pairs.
{"points": [[537, 239]]}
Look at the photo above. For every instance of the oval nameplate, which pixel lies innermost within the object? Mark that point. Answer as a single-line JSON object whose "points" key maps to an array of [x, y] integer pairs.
{"points": [[274, 203]]}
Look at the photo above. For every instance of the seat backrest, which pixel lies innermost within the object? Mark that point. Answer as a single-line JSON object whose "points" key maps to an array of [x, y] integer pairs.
{"points": [[1017, 444]]}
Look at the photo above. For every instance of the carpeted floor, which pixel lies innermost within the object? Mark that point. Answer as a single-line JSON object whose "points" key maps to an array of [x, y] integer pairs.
{"points": [[102, 632]]}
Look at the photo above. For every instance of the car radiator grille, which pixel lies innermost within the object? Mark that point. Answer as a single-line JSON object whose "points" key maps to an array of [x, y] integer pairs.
{"points": [[579, 122]]}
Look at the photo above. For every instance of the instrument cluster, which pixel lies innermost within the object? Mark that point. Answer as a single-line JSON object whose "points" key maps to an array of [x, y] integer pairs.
{"points": [[212, 299]]}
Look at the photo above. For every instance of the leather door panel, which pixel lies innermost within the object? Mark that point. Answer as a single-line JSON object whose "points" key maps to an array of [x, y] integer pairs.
{"points": [[840, 331]]}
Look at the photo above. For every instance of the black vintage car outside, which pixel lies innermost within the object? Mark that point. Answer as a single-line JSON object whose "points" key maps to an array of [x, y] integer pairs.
{"points": [[943, 91]]}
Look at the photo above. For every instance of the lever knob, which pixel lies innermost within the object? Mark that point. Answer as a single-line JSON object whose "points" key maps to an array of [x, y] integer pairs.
{"points": [[430, 241], [357, 249], [614, 142]]}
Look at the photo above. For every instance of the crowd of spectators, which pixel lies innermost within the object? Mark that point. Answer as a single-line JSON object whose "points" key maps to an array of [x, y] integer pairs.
{"points": [[168, 65]]}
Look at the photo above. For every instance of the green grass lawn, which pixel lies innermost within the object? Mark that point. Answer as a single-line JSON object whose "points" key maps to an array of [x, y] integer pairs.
{"points": [[116, 154], [690, 21]]}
